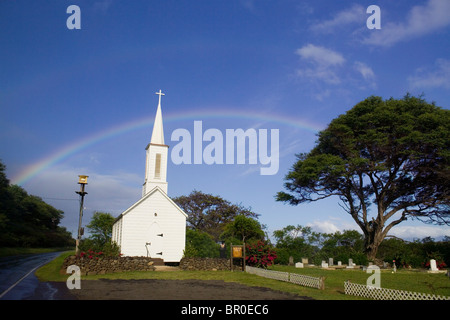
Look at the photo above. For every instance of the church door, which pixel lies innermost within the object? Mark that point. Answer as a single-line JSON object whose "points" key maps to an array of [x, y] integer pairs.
{"points": [[155, 244]]}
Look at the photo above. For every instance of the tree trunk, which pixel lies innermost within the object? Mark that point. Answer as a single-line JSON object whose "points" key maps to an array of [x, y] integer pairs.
{"points": [[372, 241]]}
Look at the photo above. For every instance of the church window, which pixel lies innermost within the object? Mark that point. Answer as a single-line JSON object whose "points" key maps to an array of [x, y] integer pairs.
{"points": [[158, 166]]}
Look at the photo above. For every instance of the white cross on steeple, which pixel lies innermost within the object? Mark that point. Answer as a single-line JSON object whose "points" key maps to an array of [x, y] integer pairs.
{"points": [[160, 94]]}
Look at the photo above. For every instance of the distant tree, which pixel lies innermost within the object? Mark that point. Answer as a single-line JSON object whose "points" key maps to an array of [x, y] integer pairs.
{"points": [[28, 221], [293, 238], [5, 197], [244, 229], [344, 245], [296, 241], [100, 227], [210, 213], [387, 161]]}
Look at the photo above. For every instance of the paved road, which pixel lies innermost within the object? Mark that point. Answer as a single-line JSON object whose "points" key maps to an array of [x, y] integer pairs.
{"points": [[17, 279]]}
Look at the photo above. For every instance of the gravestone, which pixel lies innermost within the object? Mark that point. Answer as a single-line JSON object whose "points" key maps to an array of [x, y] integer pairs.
{"points": [[339, 263], [324, 264], [299, 265], [350, 263], [305, 260], [291, 261], [433, 266], [330, 261]]}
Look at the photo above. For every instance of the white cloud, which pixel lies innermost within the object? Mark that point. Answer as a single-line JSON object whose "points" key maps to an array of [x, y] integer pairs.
{"points": [[364, 70], [320, 55], [323, 226], [330, 67], [421, 20], [419, 232], [439, 77], [332, 225], [323, 63], [107, 193], [355, 14]]}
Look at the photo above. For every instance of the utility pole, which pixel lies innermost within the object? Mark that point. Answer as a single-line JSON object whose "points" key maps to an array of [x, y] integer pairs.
{"points": [[82, 181]]}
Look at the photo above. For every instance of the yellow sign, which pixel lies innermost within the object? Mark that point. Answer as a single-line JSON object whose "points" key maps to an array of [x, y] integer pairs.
{"points": [[237, 252]]}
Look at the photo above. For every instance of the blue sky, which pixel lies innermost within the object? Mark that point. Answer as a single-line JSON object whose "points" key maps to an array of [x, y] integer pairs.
{"points": [[83, 101]]}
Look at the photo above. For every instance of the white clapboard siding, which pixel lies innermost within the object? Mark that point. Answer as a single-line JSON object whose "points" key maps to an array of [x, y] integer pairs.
{"points": [[132, 229]]}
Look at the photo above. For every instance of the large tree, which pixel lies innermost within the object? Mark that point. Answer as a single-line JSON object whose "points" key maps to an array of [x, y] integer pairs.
{"points": [[387, 161], [209, 213]]}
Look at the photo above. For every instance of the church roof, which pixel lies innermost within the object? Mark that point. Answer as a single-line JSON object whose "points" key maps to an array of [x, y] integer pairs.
{"points": [[149, 194]]}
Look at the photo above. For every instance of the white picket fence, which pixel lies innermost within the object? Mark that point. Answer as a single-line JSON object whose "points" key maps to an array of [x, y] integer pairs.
{"points": [[299, 279], [387, 294]]}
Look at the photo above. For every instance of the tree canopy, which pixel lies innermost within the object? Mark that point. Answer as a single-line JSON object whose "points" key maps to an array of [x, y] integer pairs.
{"points": [[386, 160], [243, 228], [209, 213], [100, 229], [28, 221]]}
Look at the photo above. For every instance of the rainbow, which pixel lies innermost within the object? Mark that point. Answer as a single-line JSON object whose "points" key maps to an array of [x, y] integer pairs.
{"points": [[36, 168]]}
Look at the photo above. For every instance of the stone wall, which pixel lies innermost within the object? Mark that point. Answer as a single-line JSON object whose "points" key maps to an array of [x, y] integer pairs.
{"points": [[205, 264], [110, 264], [119, 264]]}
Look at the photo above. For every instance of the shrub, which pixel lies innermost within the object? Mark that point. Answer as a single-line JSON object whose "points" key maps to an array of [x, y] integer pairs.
{"points": [[200, 244], [259, 254], [91, 254], [109, 249]]}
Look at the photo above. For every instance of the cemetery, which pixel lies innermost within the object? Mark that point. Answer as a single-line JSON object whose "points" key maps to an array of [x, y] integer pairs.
{"points": [[362, 273]]}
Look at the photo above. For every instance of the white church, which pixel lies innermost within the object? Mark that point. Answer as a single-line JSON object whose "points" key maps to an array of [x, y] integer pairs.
{"points": [[154, 226]]}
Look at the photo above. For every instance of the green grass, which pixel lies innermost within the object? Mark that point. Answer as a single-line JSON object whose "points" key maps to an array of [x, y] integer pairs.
{"points": [[51, 270], [334, 283]]}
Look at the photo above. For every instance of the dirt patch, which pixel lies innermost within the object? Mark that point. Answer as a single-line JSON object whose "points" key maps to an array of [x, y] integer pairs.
{"points": [[156, 289]]}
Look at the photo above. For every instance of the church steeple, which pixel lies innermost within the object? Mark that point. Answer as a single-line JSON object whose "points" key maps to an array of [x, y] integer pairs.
{"points": [[158, 132], [156, 155]]}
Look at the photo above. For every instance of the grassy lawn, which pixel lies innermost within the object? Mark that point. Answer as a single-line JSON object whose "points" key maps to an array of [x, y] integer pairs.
{"points": [[334, 282]]}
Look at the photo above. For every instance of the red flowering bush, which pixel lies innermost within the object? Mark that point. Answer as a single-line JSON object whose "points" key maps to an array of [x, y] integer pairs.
{"points": [[91, 254], [259, 254]]}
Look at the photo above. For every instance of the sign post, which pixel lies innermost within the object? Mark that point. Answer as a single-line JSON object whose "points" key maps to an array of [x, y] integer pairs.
{"points": [[82, 181], [237, 252]]}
